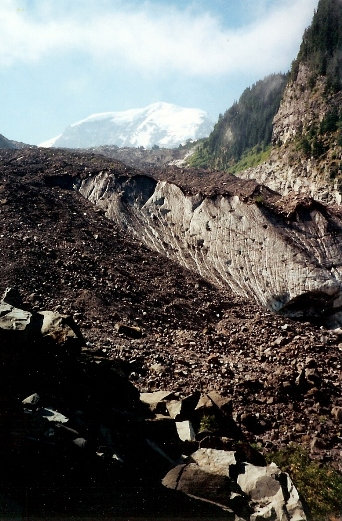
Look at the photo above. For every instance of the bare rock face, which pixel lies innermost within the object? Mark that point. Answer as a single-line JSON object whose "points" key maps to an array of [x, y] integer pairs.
{"points": [[304, 105], [301, 106], [284, 253], [287, 171]]}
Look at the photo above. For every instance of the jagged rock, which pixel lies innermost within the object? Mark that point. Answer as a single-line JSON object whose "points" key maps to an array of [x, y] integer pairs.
{"points": [[53, 416], [214, 461], [185, 431], [14, 319], [223, 403], [61, 329], [81, 443], [174, 408], [251, 492], [32, 400], [12, 296], [205, 404], [183, 409], [16, 331], [192, 480], [19, 327], [156, 401], [271, 492]]}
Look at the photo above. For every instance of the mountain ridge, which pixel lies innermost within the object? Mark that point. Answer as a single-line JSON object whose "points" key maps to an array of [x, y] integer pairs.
{"points": [[247, 123], [159, 124], [304, 150], [6, 143]]}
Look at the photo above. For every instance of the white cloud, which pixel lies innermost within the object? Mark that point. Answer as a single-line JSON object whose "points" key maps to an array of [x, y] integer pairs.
{"points": [[152, 40]]}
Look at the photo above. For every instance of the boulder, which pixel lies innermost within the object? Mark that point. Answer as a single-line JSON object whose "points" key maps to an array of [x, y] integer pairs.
{"points": [[174, 408], [183, 409], [156, 401], [251, 492], [205, 405], [271, 492], [53, 416], [193, 481], [129, 331], [12, 296], [31, 400], [214, 461], [81, 443], [19, 328], [223, 403], [61, 329], [13, 319], [185, 431], [16, 332]]}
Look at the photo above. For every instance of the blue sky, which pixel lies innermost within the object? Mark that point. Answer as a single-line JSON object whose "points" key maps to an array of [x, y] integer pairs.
{"points": [[62, 60]]}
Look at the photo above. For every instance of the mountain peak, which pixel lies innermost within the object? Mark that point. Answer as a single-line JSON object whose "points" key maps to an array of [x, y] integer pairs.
{"points": [[162, 124]]}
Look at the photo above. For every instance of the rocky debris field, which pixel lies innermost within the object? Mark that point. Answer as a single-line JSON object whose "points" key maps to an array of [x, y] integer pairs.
{"points": [[171, 330], [86, 428], [143, 158]]}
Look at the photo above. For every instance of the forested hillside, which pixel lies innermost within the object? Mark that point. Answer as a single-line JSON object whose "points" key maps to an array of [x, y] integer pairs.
{"points": [[322, 44], [247, 124]]}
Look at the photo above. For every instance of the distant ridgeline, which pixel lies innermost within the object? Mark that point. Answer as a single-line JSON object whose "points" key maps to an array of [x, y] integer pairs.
{"points": [[321, 48], [246, 126]]}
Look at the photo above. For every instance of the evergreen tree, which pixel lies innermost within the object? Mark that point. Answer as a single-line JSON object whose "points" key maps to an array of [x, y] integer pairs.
{"points": [[247, 124], [321, 48]]}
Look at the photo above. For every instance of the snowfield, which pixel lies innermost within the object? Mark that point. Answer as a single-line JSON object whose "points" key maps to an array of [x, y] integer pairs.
{"points": [[162, 124]]}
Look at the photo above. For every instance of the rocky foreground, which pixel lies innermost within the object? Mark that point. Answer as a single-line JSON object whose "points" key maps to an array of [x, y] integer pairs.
{"points": [[170, 330], [87, 427]]}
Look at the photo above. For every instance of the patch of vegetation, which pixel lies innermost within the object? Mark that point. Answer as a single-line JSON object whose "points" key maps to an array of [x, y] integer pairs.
{"points": [[208, 423], [248, 123], [319, 485], [331, 121], [321, 45], [314, 142], [201, 158], [251, 158]]}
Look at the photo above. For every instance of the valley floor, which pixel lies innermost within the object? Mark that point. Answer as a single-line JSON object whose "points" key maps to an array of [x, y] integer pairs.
{"points": [[283, 376]]}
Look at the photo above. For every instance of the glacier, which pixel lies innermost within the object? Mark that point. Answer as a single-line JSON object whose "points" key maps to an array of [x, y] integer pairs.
{"points": [[163, 124]]}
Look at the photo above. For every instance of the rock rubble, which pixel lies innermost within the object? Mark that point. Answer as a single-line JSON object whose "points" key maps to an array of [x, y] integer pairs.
{"points": [[86, 423], [279, 378]]}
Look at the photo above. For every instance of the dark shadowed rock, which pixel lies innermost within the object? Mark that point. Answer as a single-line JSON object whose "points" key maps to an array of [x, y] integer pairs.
{"points": [[129, 331], [12, 296]]}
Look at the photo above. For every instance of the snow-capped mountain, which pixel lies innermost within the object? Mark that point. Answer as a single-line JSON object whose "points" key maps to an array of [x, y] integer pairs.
{"points": [[161, 124]]}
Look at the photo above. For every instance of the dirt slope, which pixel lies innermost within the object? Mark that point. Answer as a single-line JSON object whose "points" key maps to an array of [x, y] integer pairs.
{"points": [[284, 377]]}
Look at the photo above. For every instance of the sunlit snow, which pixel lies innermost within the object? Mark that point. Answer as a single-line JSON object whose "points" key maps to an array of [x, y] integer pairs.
{"points": [[162, 124]]}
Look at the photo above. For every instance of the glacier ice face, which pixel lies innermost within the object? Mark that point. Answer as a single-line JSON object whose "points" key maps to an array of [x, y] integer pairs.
{"points": [[285, 263]]}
